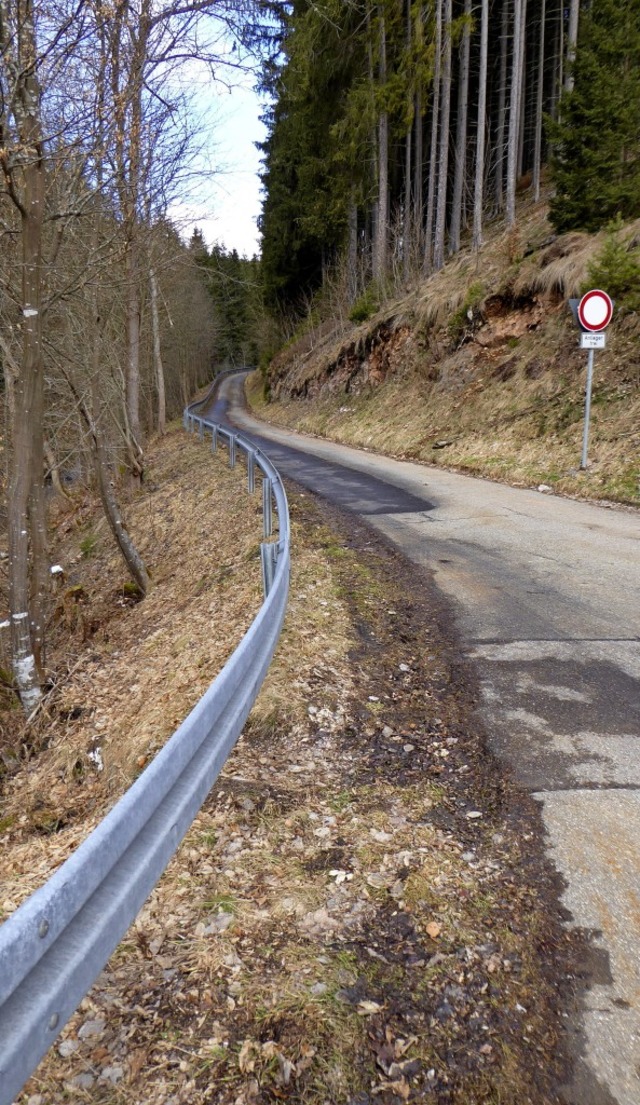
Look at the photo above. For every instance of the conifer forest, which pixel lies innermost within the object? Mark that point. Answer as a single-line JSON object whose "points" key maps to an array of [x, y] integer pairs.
{"points": [[399, 126]]}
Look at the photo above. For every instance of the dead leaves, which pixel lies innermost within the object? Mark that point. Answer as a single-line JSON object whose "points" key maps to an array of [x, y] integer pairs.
{"points": [[390, 1055], [271, 1065]]}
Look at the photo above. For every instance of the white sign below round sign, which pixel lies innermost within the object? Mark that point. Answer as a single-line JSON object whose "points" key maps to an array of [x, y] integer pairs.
{"points": [[595, 310]]}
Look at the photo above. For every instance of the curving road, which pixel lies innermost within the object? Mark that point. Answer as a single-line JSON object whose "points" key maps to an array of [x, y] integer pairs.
{"points": [[546, 593]]}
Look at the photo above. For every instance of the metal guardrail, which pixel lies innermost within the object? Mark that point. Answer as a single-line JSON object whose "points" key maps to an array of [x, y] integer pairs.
{"points": [[55, 945]]}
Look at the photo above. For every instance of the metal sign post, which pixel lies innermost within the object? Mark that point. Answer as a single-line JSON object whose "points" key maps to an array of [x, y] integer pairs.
{"points": [[587, 409], [593, 314]]}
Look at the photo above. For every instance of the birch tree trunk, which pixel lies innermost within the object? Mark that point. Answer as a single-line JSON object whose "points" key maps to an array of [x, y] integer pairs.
{"points": [[443, 161], [459, 179], [478, 191], [433, 153], [537, 150]]}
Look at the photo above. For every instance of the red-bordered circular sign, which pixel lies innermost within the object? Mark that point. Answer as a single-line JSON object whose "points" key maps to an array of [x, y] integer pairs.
{"points": [[595, 310]]}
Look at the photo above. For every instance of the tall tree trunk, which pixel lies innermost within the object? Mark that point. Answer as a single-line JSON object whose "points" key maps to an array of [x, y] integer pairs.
{"points": [[478, 192], [459, 180], [523, 90], [502, 108], [132, 375], [26, 508], [130, 554], [443, 161], [407, 210], [54, 471], [556, 84], [433, 153], [418, 202], [92, 418], [382, 227], [157, 352], [514, 114], [352, 255], [537, 147], [371, 223], [572, 42]]}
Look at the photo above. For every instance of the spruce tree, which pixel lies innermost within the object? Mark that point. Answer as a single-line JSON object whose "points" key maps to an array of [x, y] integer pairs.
{"points": [[596, 158]]}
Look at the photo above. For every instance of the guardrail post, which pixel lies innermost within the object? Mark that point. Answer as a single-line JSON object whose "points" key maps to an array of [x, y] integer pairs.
{"points": [[268, 556], [232, 451], [251, 473], [267, 514], [214, 439]]}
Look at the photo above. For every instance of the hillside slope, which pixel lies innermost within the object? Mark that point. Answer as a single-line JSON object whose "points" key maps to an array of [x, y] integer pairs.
{"points": [[479, 369]]}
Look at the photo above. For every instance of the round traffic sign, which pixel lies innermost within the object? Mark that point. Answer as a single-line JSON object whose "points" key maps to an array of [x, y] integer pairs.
{"points": [[595, 310]]}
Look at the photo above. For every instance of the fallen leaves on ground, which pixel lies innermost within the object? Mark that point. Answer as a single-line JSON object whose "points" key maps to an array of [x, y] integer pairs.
{"points": [[335, 928]]}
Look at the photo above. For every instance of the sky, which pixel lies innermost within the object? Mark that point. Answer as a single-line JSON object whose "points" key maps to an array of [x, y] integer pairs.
{"points": [[225, 203]]}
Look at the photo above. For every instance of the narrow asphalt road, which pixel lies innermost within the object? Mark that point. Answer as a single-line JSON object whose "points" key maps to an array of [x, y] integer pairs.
{"points": [[546, 593]]}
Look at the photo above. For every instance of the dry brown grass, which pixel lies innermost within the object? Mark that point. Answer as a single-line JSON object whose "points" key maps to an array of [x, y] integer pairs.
{"points": [[125, 676]]}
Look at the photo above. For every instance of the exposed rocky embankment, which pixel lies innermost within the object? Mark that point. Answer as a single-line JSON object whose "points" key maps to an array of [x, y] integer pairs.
{"points": [[477, 368]]}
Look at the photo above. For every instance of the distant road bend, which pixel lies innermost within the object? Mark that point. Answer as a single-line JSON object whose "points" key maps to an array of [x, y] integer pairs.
{"points": [[546, 593]]}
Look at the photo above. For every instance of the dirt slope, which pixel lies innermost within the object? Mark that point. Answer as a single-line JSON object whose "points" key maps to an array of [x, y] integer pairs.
{"points": [[478, 369]]}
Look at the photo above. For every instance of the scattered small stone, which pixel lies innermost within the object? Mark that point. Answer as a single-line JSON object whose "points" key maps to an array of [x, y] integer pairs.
{"points": [[319, 988], [378, 880], [112, 1075], [380, 836], [83, 1081], [248, 805], [387, 731], [473, 815], [544, 488], [67, 1048], [91, 1028], [408, 747], [220, 923], [403, 667]]}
